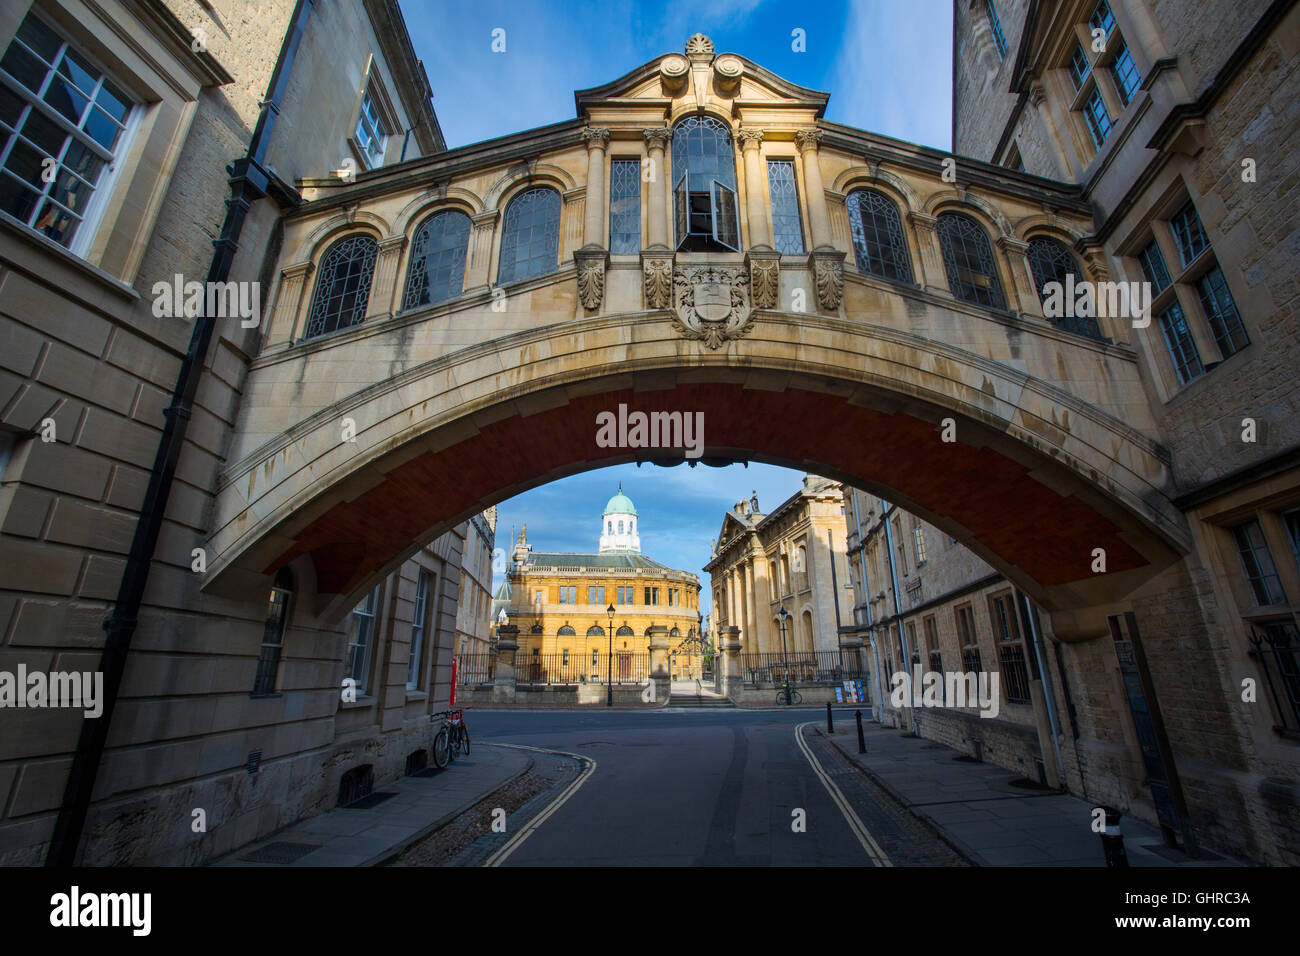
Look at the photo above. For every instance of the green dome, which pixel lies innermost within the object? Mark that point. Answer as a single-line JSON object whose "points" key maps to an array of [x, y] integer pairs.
{"points": [[620, 504]]}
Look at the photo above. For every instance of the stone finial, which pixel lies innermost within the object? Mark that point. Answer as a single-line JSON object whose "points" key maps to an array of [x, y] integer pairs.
{"points": [[807, 139], [699, 44], [595, 136]]}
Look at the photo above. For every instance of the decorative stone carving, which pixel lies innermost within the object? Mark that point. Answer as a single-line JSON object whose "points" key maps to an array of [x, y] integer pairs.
{"points": [[750, 138], [591, 265], [673, 71], [713, 304], [828, 276], [807, 139], [699, 44], [658, 137], [727, 71], [764, 278], [657, 281], [595, 136]]}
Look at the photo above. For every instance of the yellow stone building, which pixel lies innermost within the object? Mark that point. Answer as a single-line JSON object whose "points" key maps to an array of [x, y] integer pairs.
{"points": [[561, 605]]}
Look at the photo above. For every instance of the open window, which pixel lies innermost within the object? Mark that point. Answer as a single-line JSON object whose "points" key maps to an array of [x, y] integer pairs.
{"points": [[704, 186]]}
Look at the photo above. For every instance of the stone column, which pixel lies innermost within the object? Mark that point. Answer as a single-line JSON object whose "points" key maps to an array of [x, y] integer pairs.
{"points": [[659, 670], [384, 283], [933, 277], [808, 141], [656, 141], [288, 303], [760, 230], [1022, 278], [503, 684], [733, 677], [593, 228], [480, 249]]}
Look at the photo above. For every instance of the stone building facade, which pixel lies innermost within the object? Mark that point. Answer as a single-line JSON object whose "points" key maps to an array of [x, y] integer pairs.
{"points": [[792, 557], [235, 704], [474, 602]]}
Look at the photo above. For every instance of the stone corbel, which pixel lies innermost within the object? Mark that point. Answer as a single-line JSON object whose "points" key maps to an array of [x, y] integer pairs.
{"points": [[657, 279], [591, 263], [764, 278], [827, 268]]}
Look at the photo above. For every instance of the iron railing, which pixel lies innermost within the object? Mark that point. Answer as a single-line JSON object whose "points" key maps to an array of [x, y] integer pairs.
{"points": [[1276, 645], [579, 668], [802, 667], [476, 667], [1015, 675]]}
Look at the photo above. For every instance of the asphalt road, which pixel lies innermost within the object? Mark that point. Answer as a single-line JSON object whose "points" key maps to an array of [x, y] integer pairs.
{"points": [[711, 788]]}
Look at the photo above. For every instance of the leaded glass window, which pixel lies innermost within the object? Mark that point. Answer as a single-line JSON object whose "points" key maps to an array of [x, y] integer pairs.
{"points": [[625, 206], [968, 259], [343, 289], [437, 270], [55, 104], [787, 231], [1126, 74], [1094, 111], [1050, 261], [1182, 347], [996, 26], [530, 241], [878, 242], [704, 185], [1189, 234], [1221, 311]]}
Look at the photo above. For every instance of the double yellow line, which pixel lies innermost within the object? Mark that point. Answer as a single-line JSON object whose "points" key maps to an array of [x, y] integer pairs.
{"points": [[499, 857], [872, 848]]}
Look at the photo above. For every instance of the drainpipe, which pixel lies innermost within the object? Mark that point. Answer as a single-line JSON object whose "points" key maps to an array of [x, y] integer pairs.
{"points": [[1045, 672], [249, 182], [898, 610]]}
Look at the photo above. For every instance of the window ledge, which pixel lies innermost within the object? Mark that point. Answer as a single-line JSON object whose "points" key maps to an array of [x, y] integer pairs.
{"points": [[362, 702]]}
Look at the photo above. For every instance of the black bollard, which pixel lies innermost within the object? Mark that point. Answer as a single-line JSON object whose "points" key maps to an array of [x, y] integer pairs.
{"points": [[1112, 840], [862, 741], [830, 721]]}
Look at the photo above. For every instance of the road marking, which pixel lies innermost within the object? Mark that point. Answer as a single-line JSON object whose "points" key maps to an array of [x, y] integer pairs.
{"points": [[872, 848], [499, 857]]}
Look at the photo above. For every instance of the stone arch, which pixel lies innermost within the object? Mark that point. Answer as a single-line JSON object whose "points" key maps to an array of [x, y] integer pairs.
{"points": [[323, 236], [977, 207], [522, 175], [433, 201], [898, 188]]}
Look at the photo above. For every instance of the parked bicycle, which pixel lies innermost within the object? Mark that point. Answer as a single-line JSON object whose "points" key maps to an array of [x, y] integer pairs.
{"points": [[452, 737], [788, 695]]}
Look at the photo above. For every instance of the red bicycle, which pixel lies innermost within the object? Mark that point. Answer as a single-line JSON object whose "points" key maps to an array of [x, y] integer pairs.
{"points": [[452, 737]]}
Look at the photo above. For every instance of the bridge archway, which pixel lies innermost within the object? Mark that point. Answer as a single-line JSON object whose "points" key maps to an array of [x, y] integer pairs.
{"points": [[1036, 480]]}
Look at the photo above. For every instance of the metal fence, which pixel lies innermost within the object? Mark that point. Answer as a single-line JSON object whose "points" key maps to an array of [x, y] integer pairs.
{"points": [[478, 667], [578, 668], [802, 667], [1015, 676], [1276, 646]]}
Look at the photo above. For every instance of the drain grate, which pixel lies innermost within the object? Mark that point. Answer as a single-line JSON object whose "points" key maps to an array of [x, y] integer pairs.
{"points": [[281, 852], [371, 800]]}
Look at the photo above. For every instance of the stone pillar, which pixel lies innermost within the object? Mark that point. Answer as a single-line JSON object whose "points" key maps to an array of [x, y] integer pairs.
{"points": [[288, 303], [1022, 278], [503, 684], [593, 227], [733, 677], [760, 230], [656, 141], [933, 277], [808, 141], [384, 283], [480, 249], [660, 672]]}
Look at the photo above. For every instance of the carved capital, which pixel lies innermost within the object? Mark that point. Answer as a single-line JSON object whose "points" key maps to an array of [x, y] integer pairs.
{"points": [[808, 139], [750, 138], [764, 278], [596, 137], [920, 220], [827, 268], [657, 138], [657, 280], [591, 265]]}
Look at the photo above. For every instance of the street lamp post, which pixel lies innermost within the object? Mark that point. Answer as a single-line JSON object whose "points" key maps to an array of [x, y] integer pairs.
{"points": [[609, 661], [783, 614]]}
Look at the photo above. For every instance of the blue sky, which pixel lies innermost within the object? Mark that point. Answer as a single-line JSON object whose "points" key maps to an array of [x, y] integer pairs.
{"points": [[887, 65]]}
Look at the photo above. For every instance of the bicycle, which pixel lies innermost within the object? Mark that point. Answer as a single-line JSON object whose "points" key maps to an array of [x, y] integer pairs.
{"points": [[452, 737], [788, 695]]}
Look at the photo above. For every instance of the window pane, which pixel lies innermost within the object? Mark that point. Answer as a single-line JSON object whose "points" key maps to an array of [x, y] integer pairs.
{"points": [[1188, 233], [437, 270], [878, 243], [1153, 267], [530, 243], [1221, 311], [999, 39], [1094, 112], [1125, 70], [968, 258], [625, 206], [1102, 18], [1257, 562], [1051, 261], [343, 289], [1079, 67], [1182, 347], [787, 231]]}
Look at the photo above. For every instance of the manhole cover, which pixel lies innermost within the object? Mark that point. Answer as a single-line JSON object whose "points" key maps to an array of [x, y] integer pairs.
{"points": [[373, 800], [281, 852]]}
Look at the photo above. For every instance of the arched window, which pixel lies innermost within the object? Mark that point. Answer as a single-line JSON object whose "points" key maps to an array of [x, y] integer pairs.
{"points": [[624, 631], [277, 622], [674, 633], [595, 631], [437, 270], [565, 631], [530, 238], [878, 242], [1051, 261], [620, 527], [968, 259], [704, 186], [343, 289], [609, 527]]}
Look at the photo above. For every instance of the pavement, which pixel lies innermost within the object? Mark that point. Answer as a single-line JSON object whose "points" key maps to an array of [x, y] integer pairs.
{"points": [[990, 822], [372, 836]]}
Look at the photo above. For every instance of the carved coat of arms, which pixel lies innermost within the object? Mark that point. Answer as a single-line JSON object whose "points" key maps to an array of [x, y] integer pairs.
{"points": [[712, 304]]}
